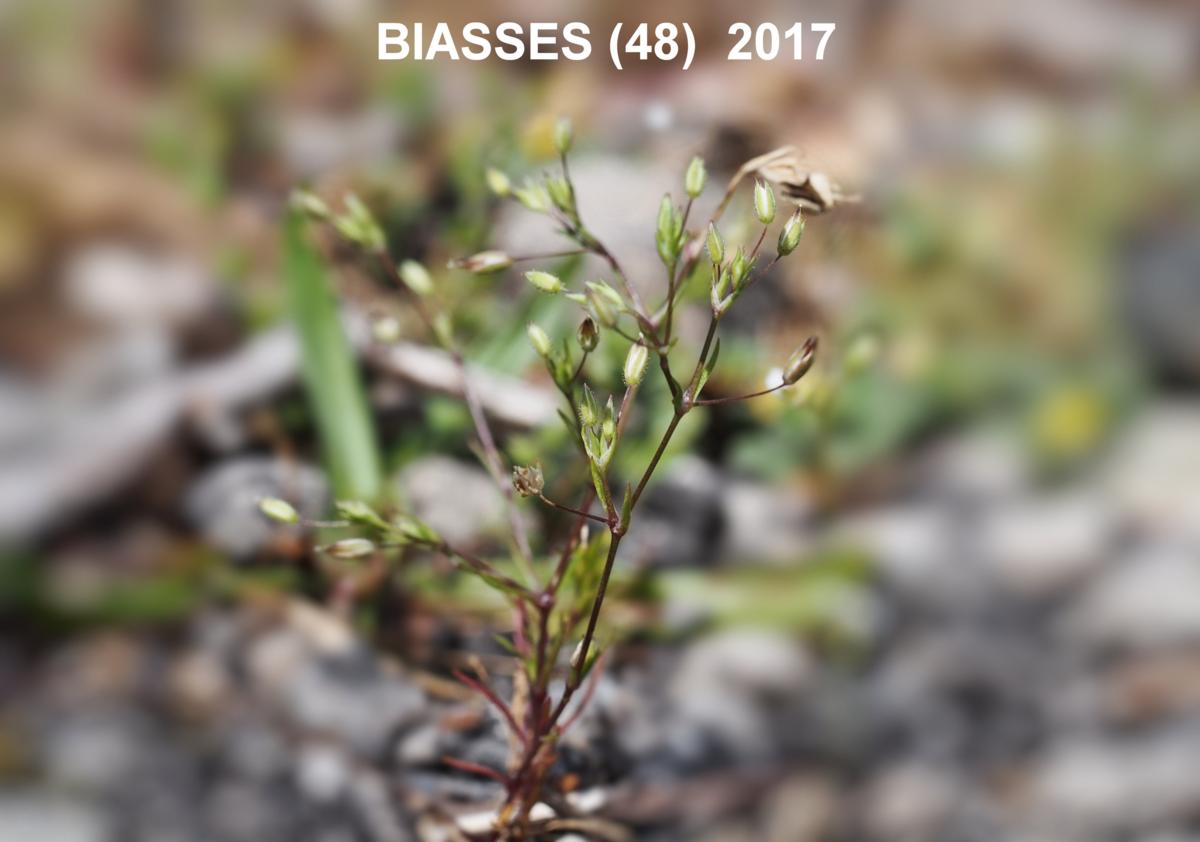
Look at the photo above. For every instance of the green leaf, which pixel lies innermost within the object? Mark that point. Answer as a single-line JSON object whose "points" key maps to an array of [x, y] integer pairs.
{"points": [[330, 373]]}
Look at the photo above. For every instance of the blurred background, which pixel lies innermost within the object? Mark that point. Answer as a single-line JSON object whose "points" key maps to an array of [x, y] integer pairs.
{"points": [[947, 588]]}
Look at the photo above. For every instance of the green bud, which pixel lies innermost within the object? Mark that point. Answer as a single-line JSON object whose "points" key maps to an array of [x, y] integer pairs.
{"points": [[588, 335], [484, 263], [358, 512], [635, 364], [544, 281], [862, 353], [385, 330], [528, 481], [350, 548], [800, 361], [716, 245], [533, 196], [739, 269], [416, 278], [310, 204], [764, 202], [539, 339], [589, 412], [561, 194], [498, 182], [278, 510], [564, 135], [790, 236], [359, 226], [695, 178]]}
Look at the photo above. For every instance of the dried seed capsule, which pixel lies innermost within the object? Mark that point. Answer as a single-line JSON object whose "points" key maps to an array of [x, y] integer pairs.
{"points": [[278, 510], [695, 178], [588, 335], [790, 236], [539, 339], [484, 263], [801, 361], [635, 364], [544, 281], [764, 202], [528, 480]]}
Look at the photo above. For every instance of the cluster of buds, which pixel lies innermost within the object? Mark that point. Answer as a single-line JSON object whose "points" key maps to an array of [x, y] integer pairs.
{"points": [[597, 428], [731, 277], [355, 223]]}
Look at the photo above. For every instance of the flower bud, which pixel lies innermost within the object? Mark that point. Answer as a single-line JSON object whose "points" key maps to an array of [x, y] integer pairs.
{"points": [[310, 204], [385, 330], [801, 361], [539, 339], [533, 196], [278, 510], [544, 281], [739, 268], [635, 364], [695, 178], [588, 335], [416, 278], [483, 263], [789, 237], [498, 182], [528, 480], [716, 245], [349, 548], [358, 225], [357, 511], [764, 202], [561, 194], [564, 135]]}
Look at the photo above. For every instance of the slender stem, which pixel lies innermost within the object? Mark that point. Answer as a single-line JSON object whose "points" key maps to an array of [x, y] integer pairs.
{"points": [[572, 510], [548, 255], [758, 394], [493, 461], [488, 693]]}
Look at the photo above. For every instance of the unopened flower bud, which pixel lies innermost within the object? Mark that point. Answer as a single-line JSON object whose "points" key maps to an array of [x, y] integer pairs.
{"points": [[764, 202], [484, 263], [310, 203], [357, 511], [561, 194], [416, 278], [528, 480], [588, 335], [801, 361], [385, 330], [533, 196], [498, 182], [716, 245], [564, 135], [635, 364], [695, 178], [539, 339], [544, 281], [790, 236], [739, 268], [278, 510], [349, 548]]}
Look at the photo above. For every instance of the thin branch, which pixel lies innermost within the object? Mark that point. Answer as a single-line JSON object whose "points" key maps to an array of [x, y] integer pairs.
{"points": [[475, 769], [572, 510], [489, 694], [758, 394]]}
